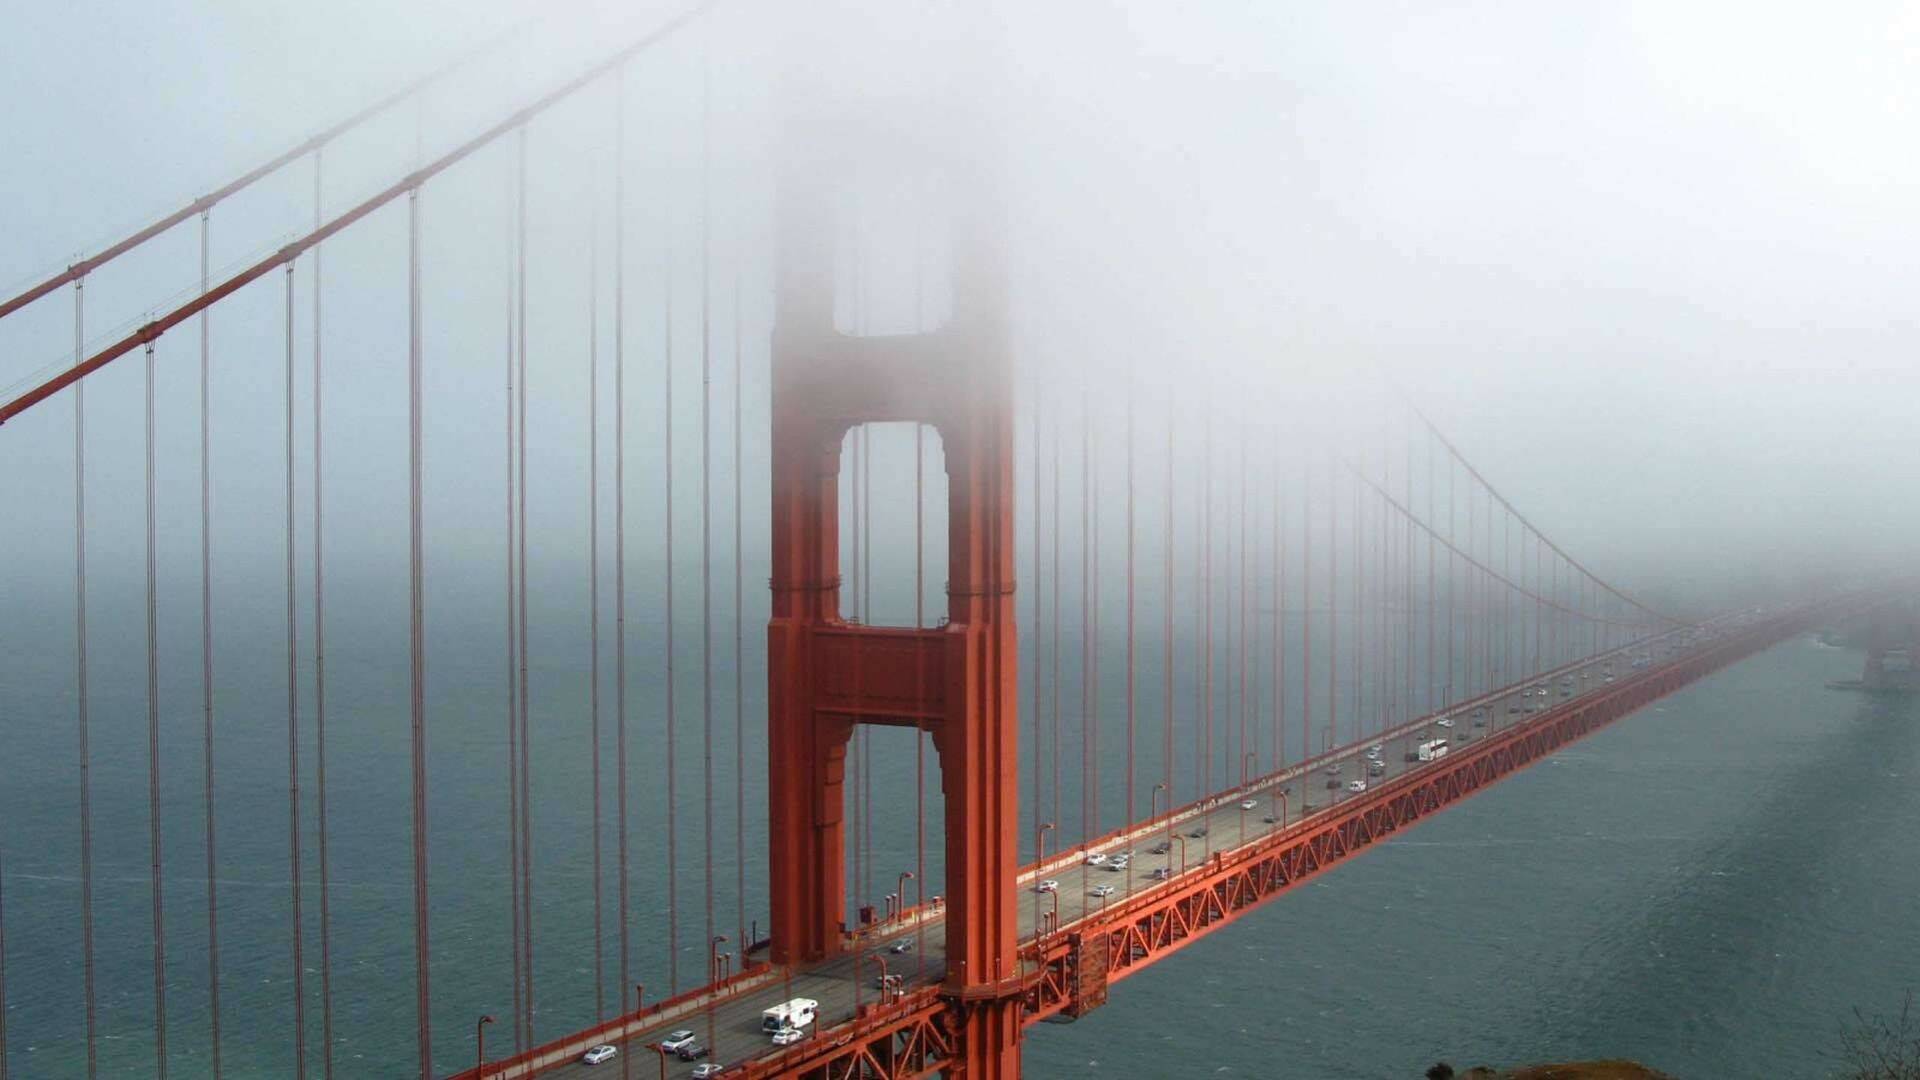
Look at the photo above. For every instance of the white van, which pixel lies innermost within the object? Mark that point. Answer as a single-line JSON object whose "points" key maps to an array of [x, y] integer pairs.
{"points": [[1428, 751], [797, 1013]]}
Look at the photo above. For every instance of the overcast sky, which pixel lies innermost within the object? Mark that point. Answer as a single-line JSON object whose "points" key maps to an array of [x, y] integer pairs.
{"points": [[1651, 264]]}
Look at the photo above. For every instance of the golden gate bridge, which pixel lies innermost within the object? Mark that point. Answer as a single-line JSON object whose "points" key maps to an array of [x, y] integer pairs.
{"points": [[1276, 641]]}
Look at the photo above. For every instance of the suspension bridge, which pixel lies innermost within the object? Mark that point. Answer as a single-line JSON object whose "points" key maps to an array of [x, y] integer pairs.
{"points": [[1154, 643]]}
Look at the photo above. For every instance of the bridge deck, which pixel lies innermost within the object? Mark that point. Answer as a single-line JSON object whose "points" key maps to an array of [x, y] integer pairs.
{"points": [[1311, 791]]}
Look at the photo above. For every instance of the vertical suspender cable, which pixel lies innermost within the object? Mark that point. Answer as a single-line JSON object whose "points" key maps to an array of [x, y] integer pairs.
{"points": [[1132, 809], [666, 417], [1453, 575], [206, 655], [1431, 537], [1358, 592], [153, 756], [706, 500], [919, 623], [851, 778], [1306, 612], [1166, 618], [740, 655], [320, 675], [513, 669], [1088, 545], [1039, 814], [1382, 585], [1244, 590], [1054, 649], [1333, 609], [293, 725], [1206, 608], [593, 599], [620, 529], [866, 617], [1279, 612], [526, 747], [416, 590], [80, 665], [1410, 573]]}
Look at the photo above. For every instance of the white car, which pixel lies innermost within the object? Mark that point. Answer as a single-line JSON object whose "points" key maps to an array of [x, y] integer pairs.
{"points": [[599, 1054], [674, 1041], [1100, 890], [1095, 858], [788, 1036], [701, 1072], [1049, 885], [1445, 721], [1249, 804], [1356, 785]]}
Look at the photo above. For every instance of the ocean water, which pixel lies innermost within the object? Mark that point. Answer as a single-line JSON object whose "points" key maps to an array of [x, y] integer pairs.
{"points": [[1710, 886]]}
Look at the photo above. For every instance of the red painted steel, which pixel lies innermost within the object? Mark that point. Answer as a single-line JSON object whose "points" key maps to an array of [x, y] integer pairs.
{"points": [[1069, 972], [826, 675]]}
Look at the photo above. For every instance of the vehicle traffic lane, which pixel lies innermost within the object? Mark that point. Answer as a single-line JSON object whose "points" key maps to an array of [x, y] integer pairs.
{"points": [[1300, 793]]}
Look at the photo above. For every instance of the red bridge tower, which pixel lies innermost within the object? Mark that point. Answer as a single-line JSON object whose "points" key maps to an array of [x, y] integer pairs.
{"points": [[956, 681]]}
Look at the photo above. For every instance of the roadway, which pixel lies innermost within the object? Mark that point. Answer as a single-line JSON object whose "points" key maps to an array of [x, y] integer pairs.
{"points": [[1299, 792]]}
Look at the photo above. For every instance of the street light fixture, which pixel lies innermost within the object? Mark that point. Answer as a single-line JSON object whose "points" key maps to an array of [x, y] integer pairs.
{"points": [[713, 957], [900, 883], [480, 1037]]}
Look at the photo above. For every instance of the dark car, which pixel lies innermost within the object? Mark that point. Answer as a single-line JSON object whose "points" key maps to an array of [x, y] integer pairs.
{"points": [[1198, 833], [1160, 848], [694, 1051]]}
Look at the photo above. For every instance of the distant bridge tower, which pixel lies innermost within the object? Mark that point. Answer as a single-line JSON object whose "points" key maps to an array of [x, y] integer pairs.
{"points": [[956, 681]]}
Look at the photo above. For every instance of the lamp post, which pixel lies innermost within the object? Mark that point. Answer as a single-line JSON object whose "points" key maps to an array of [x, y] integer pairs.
{"points": [[1040, 860], [900, 884], [1181, 838], [713, 976], [1248, 762], [639, 996], [480, 1037], [662, 1051], [1282, 796], [886, 991]]}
